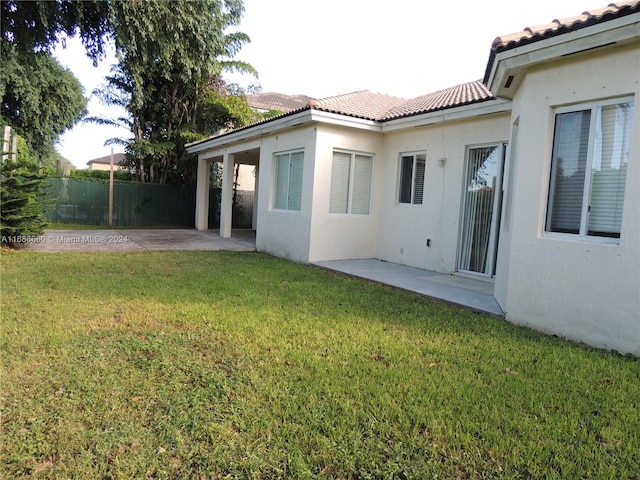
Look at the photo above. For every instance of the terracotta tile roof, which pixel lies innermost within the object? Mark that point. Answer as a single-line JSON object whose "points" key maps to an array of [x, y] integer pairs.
{"points": [[376, 106], [464, 94], [560, 26], [564, 25], [278, 101], [362, 104]]}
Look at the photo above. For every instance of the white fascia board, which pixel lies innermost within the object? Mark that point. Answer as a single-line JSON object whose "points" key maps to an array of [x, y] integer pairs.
{"points": [[274, 126], [517, 59], [258, 130], [488, 107], [345, 121]]}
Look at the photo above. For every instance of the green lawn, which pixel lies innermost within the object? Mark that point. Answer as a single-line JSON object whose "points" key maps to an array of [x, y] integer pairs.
{"points": [[239, 365]]}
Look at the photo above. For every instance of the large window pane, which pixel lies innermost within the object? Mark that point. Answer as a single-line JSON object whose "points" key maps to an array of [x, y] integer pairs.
{"points": [[568, 163], [609, 170]]}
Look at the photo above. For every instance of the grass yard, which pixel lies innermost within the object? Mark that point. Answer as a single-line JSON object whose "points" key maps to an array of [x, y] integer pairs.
{"points": [[239, 365]]}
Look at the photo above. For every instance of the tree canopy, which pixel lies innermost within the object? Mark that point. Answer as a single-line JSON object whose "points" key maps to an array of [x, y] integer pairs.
{"points": [[40, 98], [39, 25], [171, 56]]}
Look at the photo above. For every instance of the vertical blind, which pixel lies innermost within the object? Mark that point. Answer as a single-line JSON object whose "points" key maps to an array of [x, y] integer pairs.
{"points": [[610, 160], [362, 172], [569, 164], [480, 189], [295, 181], [340, 179], [418, 183], [288, 189], [351, 176]]}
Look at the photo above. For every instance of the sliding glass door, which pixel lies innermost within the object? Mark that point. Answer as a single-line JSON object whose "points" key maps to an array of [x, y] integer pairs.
{"points": [[481, 209]]}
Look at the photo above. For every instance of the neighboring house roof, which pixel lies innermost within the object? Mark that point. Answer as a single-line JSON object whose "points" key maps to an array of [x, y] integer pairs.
{"points": [[559, 27], [117, 158], [278, 101]]}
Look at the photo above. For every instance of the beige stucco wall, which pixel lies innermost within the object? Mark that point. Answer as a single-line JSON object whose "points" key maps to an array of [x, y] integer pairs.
{"points": [[105, 167], [404, 229], [279, 232], [334, 236], [247, 178], [582, 289]]}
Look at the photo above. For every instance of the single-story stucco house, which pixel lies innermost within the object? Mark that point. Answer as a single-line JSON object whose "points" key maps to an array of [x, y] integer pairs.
{"points": [[104, 163], [529, 178]]}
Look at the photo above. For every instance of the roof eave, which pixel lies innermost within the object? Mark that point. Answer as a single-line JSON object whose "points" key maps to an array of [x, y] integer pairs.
{"points": [[459, 112], [284, 122], [272, 125]]}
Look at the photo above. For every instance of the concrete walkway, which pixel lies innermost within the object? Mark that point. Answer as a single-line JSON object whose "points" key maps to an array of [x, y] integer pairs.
{"points": [[54, 241], [476, 295]]}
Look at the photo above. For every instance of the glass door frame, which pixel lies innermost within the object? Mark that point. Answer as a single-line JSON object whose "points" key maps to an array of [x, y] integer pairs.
{"points": [[496, 213]]}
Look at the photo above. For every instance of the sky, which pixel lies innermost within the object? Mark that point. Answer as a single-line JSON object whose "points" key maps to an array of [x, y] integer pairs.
{"points": [[320, 48]]}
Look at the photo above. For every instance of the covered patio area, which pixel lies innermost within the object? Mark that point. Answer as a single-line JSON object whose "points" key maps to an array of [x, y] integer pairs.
{"points": [[235, 176]]}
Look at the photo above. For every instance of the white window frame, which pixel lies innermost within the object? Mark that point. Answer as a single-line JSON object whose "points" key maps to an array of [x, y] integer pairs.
{"points": [[416, 157], [351, 180], [290, 206], [583, 233]]}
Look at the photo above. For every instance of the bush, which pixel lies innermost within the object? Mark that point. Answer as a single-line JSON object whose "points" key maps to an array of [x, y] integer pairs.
{"points": [[23, 205], [101, 175]]}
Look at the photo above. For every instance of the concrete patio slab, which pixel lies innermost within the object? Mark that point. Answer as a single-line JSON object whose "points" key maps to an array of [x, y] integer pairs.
{"points": [[476, 295], [54, 241]]}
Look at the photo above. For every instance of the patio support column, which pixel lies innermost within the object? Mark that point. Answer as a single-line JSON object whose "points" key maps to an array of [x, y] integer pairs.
{"points": [[226, 198], [202, 194], [254, 220]]}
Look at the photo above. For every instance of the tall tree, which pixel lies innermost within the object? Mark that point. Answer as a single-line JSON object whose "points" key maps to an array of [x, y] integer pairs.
{"points": [[39, 25], [170, 54], [171, 59], [40, 98]]}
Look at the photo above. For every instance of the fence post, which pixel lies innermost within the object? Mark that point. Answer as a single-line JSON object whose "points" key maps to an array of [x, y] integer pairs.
{"points": [[111, 192]]}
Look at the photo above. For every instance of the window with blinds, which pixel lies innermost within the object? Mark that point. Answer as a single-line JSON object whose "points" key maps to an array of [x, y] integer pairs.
{"points": [[412, 169], [288, 181], [351, 175], [589, 169]]}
